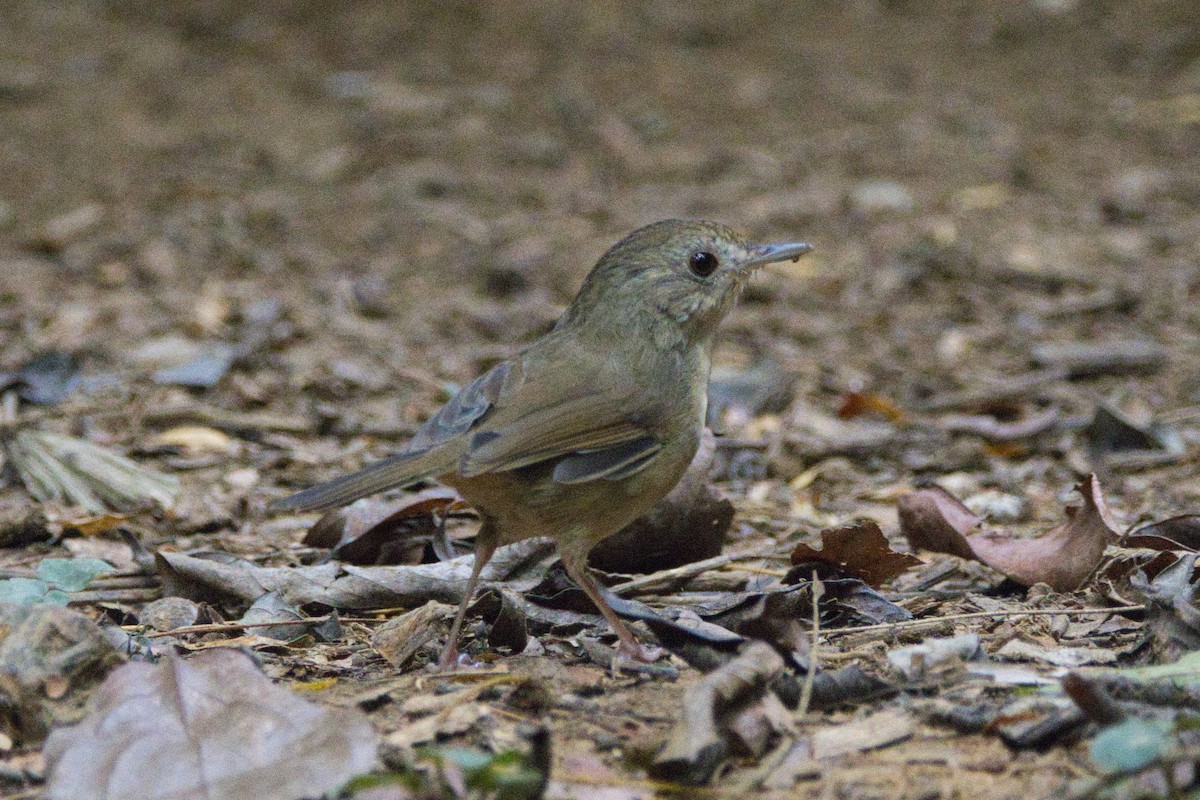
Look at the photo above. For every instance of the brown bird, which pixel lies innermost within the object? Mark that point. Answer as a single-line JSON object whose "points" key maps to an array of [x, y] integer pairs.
{"points": [[588, 427]]}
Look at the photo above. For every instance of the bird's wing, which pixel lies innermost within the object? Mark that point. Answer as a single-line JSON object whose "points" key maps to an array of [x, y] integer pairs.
{"points": [[471, 406], [508, 418], [434, 450], [565, 403], [590, 434]]}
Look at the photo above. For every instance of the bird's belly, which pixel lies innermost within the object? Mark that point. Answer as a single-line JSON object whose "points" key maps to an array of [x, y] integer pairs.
{"points": [[527, 502]]}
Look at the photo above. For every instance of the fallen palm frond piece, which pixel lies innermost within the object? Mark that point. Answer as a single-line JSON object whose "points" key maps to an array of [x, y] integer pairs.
{"points": [[53, 466]]}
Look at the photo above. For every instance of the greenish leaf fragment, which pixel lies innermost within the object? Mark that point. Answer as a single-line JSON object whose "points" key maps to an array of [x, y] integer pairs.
{"points": [[1132, 745], [55, 598], [72, 574], [409, 781], [469, 761], [512, 777], [504, 776], [1184, 672], [23, 591]]}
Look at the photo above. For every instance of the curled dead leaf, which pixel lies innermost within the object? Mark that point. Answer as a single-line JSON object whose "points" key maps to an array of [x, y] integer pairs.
{"points": [[399, 639], [857, 404], [932, 519], [730, 710], [375, 531], [858, 550]]}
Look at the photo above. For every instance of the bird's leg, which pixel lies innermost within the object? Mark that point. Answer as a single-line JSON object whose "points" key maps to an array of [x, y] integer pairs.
{"points": [[485, 545], [629, 646]]}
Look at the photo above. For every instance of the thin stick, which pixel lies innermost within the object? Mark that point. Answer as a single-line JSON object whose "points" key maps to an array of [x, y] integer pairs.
{"points": [[1030, 612], [225, 627], [130, 595], [810, 677], [230, 420], [774, 573], [666, 576], [657, 786]]}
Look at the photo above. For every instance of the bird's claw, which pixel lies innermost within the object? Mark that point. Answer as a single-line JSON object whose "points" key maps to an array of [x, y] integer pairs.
{"points": [[642, 653]]}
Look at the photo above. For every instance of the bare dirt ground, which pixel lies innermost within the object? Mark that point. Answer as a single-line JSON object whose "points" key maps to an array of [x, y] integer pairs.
{"points": [[383, 198]]}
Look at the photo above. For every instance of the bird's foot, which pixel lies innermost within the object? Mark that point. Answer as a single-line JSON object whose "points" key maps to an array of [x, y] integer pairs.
{"points": [[451, 660], [642, 653], [448, 660]]}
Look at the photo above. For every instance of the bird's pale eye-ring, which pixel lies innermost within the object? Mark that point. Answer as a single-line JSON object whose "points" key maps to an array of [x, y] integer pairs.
{"points": [[703, 263]]}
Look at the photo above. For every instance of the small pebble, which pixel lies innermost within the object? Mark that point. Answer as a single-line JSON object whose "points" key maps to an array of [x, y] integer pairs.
{"points": [[881, 197], [606, 741], [66, 228], [170, 613], [997, 506], [242, 480], [1130, 192], [1127, 244]]}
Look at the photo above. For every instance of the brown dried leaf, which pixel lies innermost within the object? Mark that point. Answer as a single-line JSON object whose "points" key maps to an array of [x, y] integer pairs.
{"points": [[858, 550], [997, 430], [733, 700], [193, 440], [857, 404], [871, 732], [1064, 557], [185, 732], [23, 525], [1172, 618], [1174, 533], [217, 579], [398, 639], [520, 565], [374, 531]]}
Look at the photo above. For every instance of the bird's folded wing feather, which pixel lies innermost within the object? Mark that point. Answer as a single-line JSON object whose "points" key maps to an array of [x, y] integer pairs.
{"points": [[434, 450], [589, 429], [504, 420]]}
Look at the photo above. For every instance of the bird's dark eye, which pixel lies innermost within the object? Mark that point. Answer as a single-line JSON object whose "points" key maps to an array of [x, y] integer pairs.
{"points": [[703, 263]]}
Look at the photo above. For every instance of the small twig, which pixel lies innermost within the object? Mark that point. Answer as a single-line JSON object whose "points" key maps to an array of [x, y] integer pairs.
{"points": [[111, 580], [774, 573], [234, 421], [810, 677], [1180, 414], [766, 765], [667, 577], [1029, 612], [474, 692], [997, 390], [654, 786], [138, 595], [226, 627]]}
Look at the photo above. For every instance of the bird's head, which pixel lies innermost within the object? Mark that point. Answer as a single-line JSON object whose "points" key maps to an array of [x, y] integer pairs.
{"points": [[686, 273]]}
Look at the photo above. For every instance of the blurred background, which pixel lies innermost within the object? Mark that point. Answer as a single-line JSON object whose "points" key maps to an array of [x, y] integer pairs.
{"points": [[406, 191], [253, 245]]}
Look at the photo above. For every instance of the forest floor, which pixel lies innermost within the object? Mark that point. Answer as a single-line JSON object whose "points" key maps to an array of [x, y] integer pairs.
{"points": [[263, 242]]}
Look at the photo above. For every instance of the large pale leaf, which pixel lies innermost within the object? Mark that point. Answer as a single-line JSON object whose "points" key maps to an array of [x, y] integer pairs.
{"points": [[520, 565], [209, 728]]}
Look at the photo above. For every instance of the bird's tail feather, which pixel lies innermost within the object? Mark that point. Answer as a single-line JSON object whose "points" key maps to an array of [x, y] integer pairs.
{"points": [[399, 470]]}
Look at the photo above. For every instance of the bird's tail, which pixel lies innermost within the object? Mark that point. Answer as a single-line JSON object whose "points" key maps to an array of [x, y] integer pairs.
{"points": [[399, 470]]}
